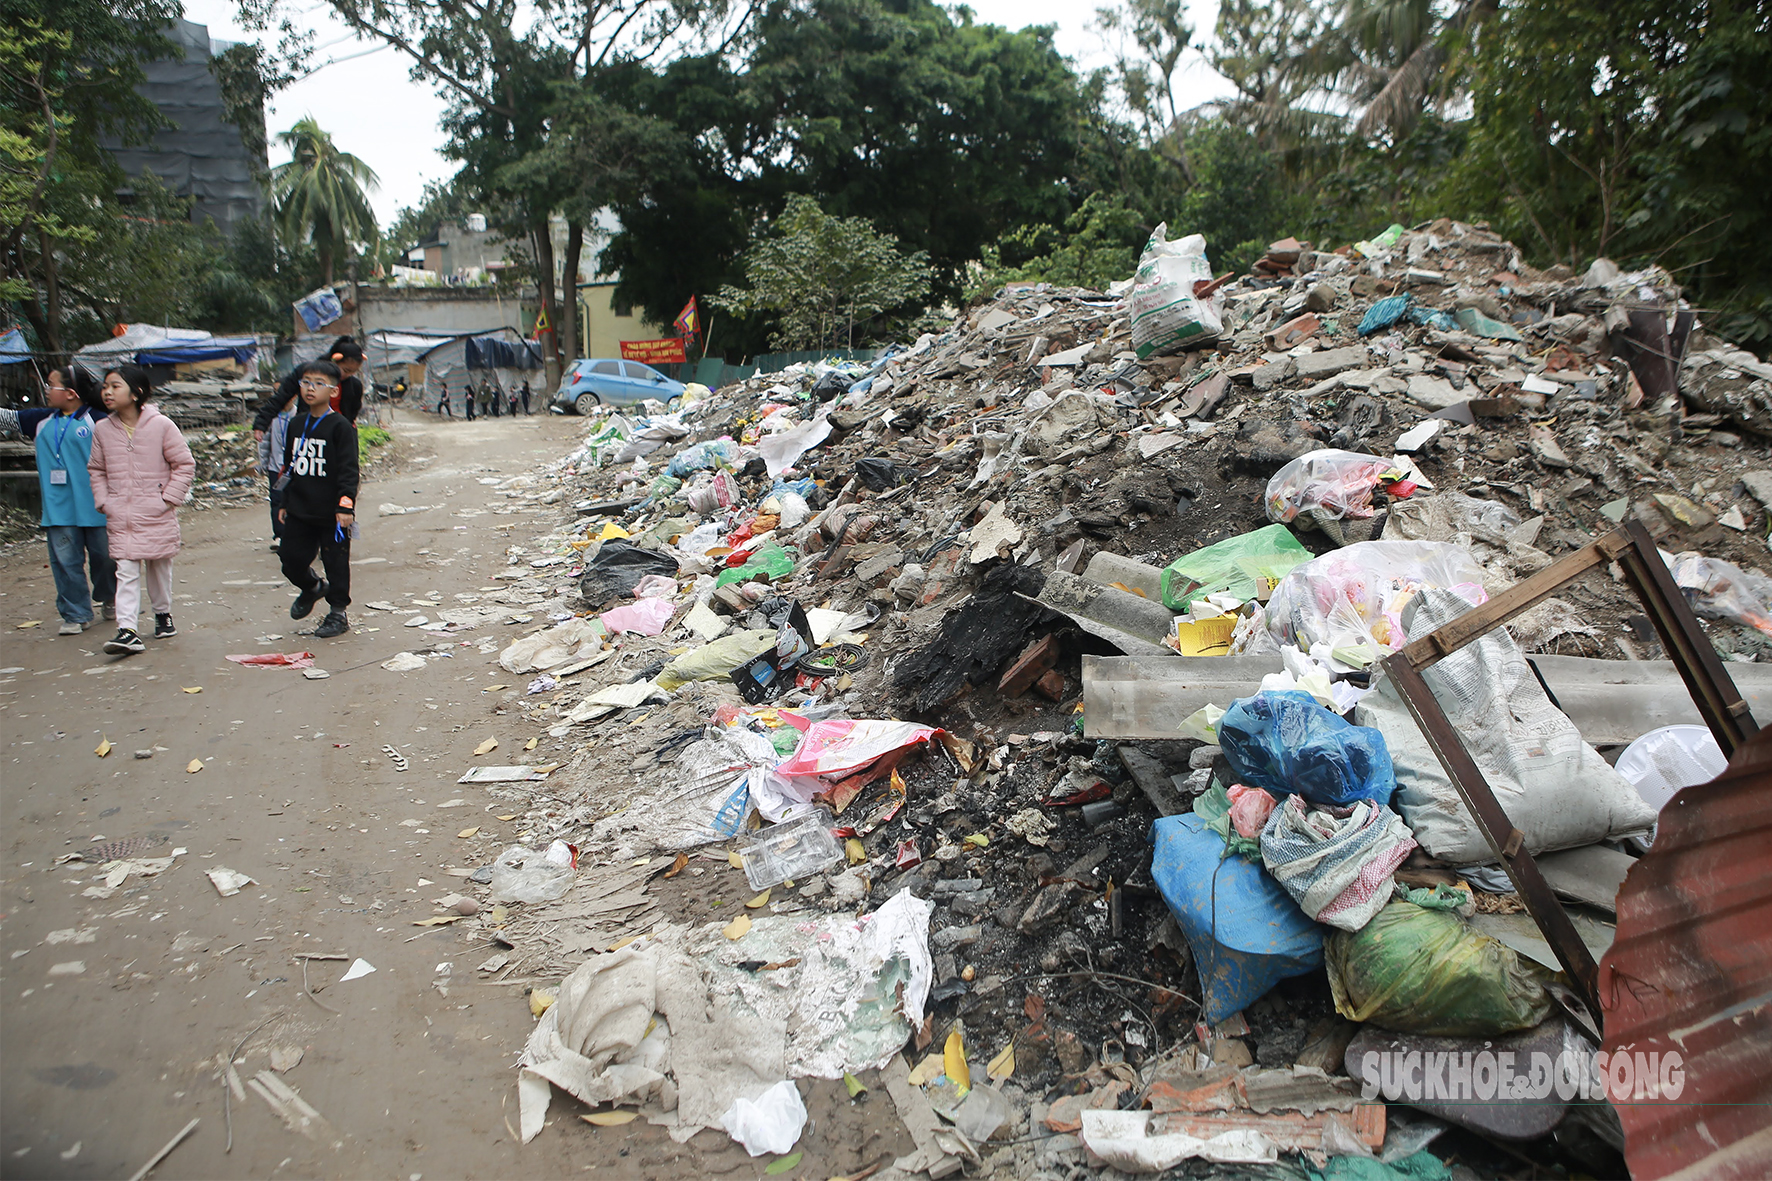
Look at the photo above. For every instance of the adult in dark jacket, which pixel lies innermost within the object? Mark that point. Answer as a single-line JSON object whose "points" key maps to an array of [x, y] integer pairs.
{"points": [[345, 353]]}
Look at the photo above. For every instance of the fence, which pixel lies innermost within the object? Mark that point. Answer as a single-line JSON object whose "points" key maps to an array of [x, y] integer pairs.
{"points": [[715, 372]]}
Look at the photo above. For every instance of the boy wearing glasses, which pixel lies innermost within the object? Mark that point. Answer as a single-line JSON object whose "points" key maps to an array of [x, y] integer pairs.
{"points": [[319, 489]]}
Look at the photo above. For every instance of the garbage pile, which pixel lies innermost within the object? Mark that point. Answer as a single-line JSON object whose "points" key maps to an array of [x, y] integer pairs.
{"points": [[1004, 715]]}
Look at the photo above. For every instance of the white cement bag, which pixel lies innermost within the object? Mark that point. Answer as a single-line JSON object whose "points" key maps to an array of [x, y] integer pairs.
{"points": [[1166, 317], [1555, 788]]}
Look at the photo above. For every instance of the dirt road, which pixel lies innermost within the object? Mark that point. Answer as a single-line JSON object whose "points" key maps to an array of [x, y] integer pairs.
{"points": [[118, 1010]]}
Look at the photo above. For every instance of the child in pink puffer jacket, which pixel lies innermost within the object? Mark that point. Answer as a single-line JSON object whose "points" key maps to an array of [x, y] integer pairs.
{"points": [[141, 472]]}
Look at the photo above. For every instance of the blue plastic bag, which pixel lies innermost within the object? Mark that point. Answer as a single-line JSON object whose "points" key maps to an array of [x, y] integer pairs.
{"points": [[713, 453], [1283, 742], [1246, 932], [1383, 313]]}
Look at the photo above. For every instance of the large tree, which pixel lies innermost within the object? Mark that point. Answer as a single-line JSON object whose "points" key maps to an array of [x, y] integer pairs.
{"points": [[320, 195], [69, 72]]}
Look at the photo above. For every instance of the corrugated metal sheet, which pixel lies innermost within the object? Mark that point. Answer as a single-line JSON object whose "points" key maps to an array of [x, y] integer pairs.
{"points": [[1691, 973]]}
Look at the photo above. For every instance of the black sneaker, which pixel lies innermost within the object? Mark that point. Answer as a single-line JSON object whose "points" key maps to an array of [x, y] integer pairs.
{"points": [[335, 624], [124, 642], [164, 628], [304, 602]]}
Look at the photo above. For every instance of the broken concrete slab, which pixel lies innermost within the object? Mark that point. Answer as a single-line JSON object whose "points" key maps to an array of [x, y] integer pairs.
{"points": [[1134, 625], [1591, 875], [1109, 568], [994, 536]]}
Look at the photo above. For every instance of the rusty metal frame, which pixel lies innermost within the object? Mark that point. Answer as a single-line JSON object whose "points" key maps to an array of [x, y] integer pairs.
{"points": [[1719, 703]]}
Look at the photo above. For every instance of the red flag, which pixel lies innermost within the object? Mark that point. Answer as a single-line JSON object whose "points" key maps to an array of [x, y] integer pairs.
{"points": [[688, 321]]}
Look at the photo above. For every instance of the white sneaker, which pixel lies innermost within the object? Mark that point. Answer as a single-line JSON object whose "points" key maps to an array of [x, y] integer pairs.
{"points": [[70, 628]]}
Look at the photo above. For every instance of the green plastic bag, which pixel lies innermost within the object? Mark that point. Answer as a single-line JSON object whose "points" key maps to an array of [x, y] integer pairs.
{"points": [[1428, 971], [1243, 566], [715, 661], [771, 560], [1421, 1166]]}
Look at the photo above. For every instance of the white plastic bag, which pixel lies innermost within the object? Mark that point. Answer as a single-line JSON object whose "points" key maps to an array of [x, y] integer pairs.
{"points": [[522, 875], [770, 1123], [1166, 316], [1345, 608], [1322, 484]]}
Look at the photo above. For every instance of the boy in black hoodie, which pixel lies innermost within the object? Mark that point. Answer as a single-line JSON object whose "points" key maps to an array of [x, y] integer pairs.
{"points": [[319, 500]]}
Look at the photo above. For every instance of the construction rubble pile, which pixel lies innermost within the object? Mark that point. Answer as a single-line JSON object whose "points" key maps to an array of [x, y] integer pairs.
{"points": [[1004, 716]]}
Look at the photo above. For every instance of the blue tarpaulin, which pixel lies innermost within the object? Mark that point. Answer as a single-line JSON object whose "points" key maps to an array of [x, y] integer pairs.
{"points": [[319, 308], [13, 348], [241, 348]]}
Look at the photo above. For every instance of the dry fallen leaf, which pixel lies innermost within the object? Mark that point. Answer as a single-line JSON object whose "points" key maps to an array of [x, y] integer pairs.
{"points": [[465, 833], [734, 860], [103, 748], [610, 1119], [32, 623], [512, 816], [440, 920], [532, 743], [547, 768], [760, 900], [194, 766], [855, 851], [737, 928], [491, 688], [1003, 1065], [491, 744], [193, 688], [953, 1060], [926, 1071], [677, 866]]}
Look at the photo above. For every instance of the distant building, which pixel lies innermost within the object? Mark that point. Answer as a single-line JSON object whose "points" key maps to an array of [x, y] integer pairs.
{"points": [[460, 249], [202, 155]]}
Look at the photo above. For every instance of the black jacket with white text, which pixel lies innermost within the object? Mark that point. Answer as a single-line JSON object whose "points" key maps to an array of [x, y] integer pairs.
{"points": [[321, 456]]}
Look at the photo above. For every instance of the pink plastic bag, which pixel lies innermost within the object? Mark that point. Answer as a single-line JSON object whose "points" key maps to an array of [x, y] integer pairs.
{"points": [[655, 586], [1250, 808], [839, 746], [646, 617]]}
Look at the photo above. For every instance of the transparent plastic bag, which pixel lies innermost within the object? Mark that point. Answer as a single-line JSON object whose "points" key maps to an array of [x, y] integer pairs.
{"points": [[523, 875], [1348, 605], [1721, 590], [1328, 484]]}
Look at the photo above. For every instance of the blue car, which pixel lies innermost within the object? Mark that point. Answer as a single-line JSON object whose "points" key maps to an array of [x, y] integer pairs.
{"points": [[599, 381]]}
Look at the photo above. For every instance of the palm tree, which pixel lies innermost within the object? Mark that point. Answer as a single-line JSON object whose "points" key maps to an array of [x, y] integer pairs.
{"points": [[319, 195]]}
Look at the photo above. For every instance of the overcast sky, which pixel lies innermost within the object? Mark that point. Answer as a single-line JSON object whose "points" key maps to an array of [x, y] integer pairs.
{"points": [[373, 109]]}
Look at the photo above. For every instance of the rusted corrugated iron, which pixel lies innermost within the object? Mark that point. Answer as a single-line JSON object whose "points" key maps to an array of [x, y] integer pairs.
{"points": [[1690, 973]]}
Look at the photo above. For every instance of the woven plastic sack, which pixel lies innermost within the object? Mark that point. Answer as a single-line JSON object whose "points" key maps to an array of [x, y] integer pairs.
{"points": [[1338, 868], [1166, 316], [1352, 600], [1243, 566], [1413, 970], [1287, 744], [1330, 484]]}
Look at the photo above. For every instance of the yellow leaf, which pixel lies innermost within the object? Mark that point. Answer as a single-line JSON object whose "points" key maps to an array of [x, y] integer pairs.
{"points": [[491, 688], [678, 865], [734, 860], [465, 833], [977, 840], [32, 623], [953, 1061], [856, 851], [926, 1071], [642, 863], [760, 900], [1003, 1065], [736, 929], [439, 921], [854, 1086], [532, 743], [491, 744], [540, 1001], [512, 816], [194, 689], [610, 1119], [103, 748], [194, 766], [548, 768]]}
